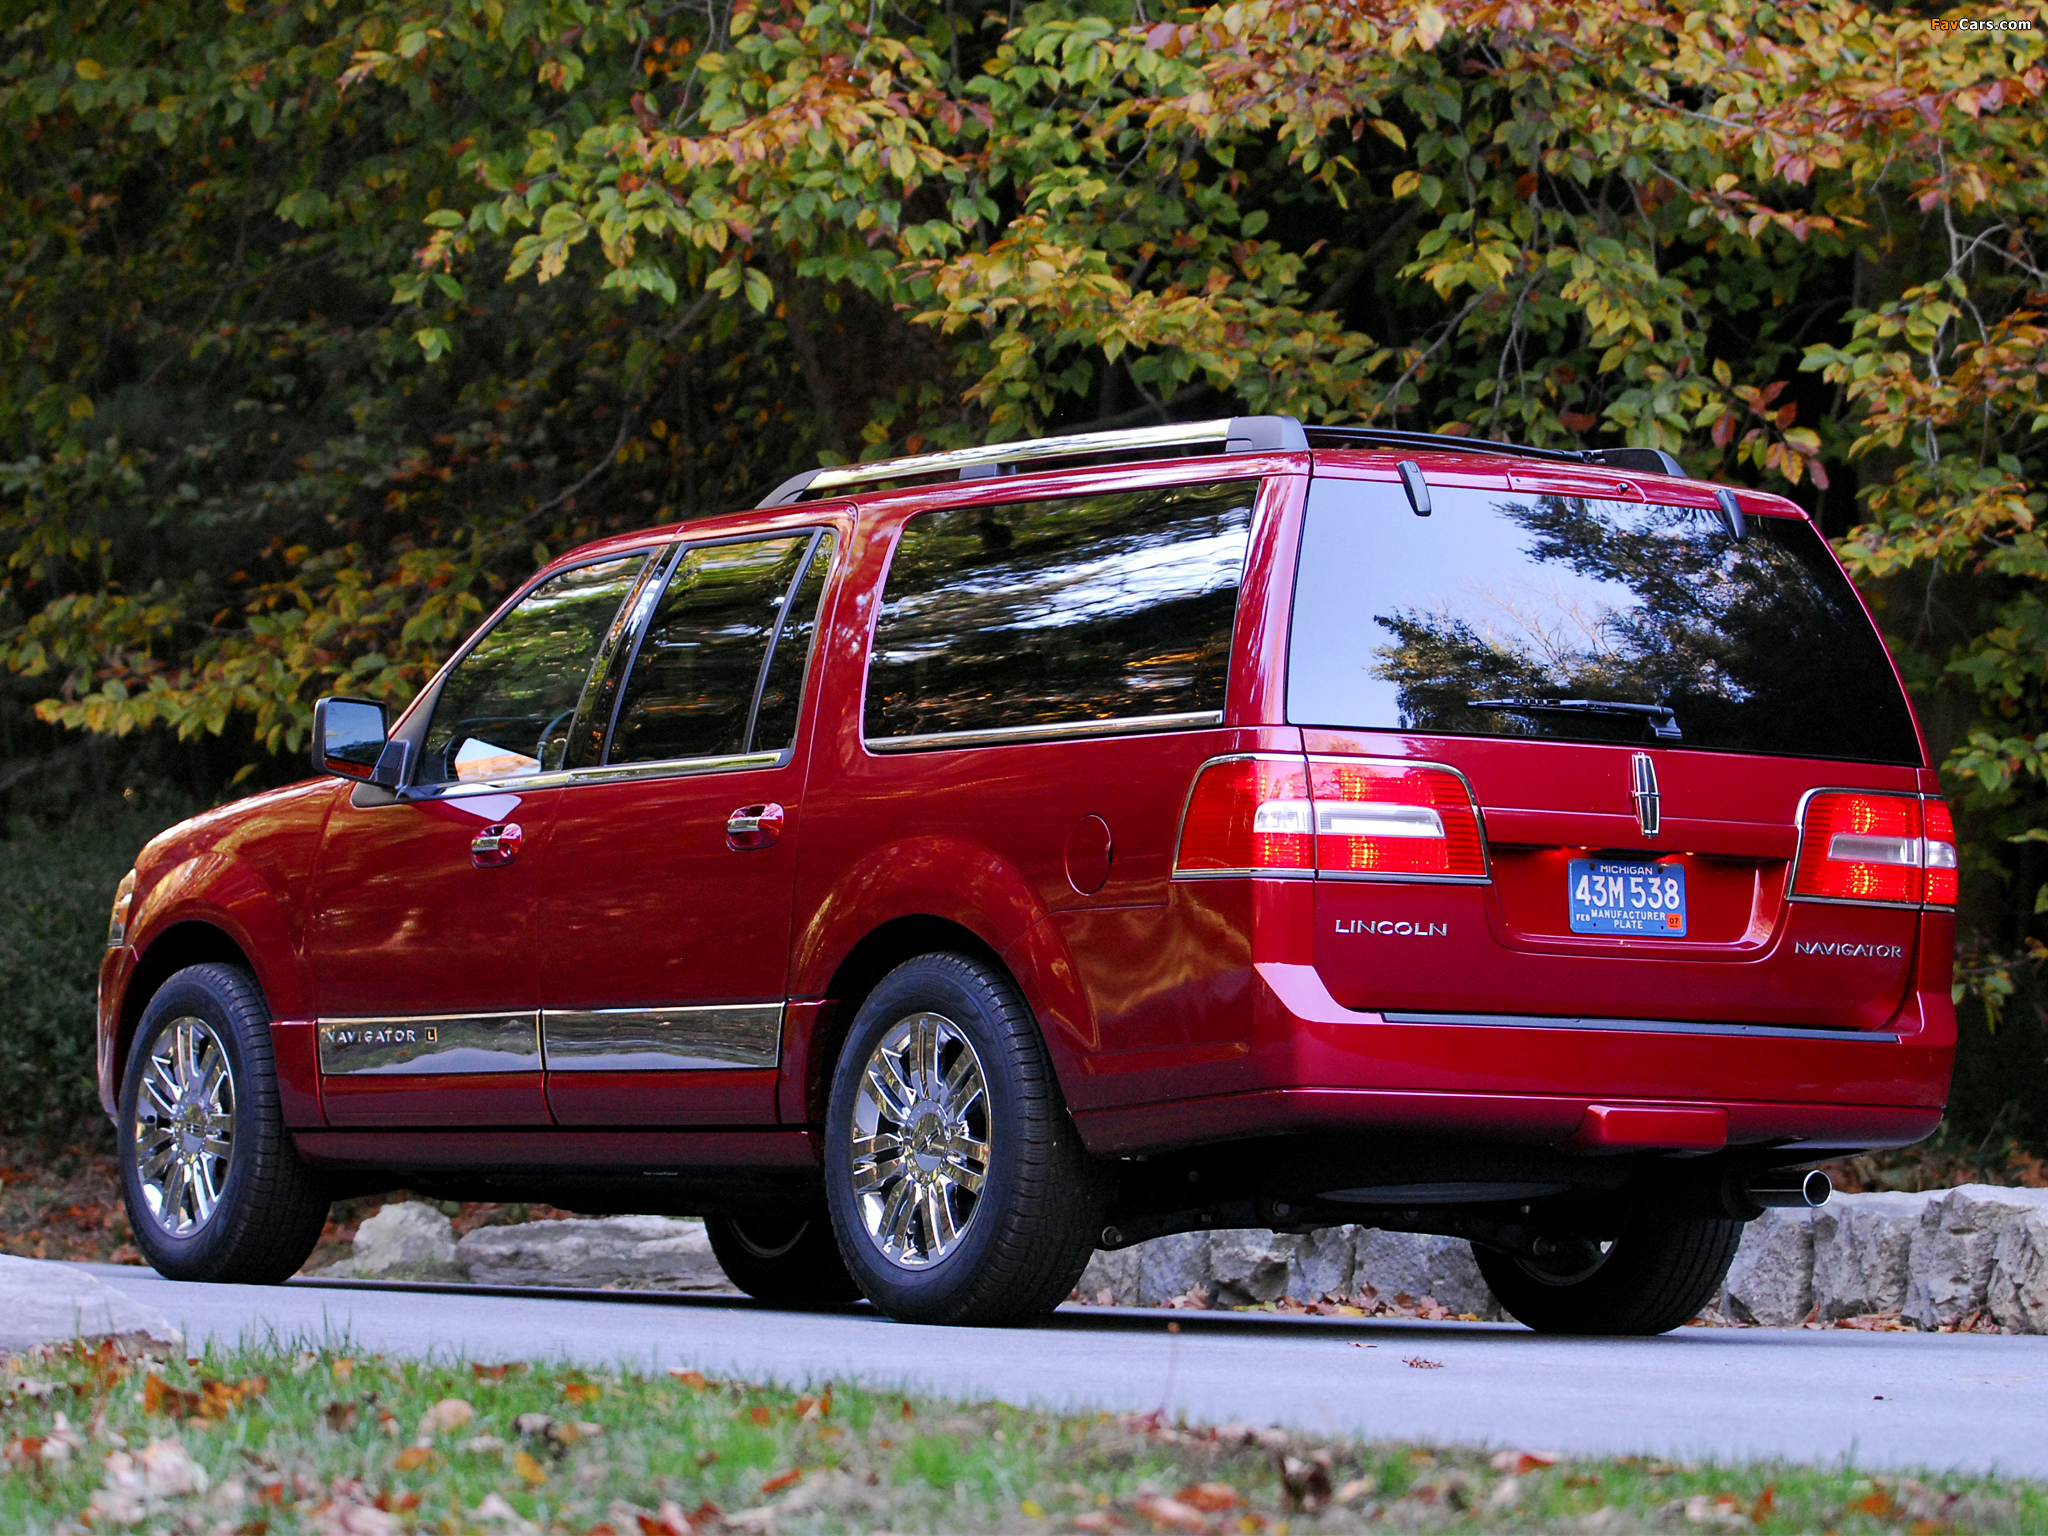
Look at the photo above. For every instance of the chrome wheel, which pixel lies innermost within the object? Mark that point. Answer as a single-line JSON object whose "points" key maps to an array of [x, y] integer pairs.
{"points": [[184, 1125], [920, 1140]]}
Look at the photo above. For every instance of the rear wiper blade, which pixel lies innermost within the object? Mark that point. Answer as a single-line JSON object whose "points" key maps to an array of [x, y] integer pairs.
{"points": [[1662, 721]]}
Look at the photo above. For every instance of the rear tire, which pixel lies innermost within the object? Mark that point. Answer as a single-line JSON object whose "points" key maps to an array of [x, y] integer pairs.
{"points": [[214, 1186], [786, 1261], [960, 1190], [1657, 1275]]}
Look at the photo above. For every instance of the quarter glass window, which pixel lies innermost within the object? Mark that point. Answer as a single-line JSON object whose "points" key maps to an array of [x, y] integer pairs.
{"points": [[506, 709], [1577, 619], [692, 687], [1106, 607]]}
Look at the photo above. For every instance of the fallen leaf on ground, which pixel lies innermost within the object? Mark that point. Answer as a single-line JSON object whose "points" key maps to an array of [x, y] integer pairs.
{"points": [[783, 1480], [1161, 1510], [1520, 1463], [582, 1391], [528, 1469], [449, 1413], [413, 1457], [1210, 1498], [1416, 1362]]}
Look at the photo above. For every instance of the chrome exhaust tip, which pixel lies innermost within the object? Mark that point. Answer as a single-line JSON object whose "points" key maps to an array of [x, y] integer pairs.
{"points": [[1789, 1189]]}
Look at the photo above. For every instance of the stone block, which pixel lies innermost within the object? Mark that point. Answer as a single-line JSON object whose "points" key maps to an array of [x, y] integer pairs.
{"points": [[1173, 1267], [625, 1253], [1418, 1264], [44, 1302], [2017, 1294], [1250, 1266], [1956, 1247], [407, 1241], [1771, 1280], [1862, 1248], [1112, 1276]]}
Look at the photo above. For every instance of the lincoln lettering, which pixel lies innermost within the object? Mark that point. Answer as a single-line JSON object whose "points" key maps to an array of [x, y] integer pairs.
{"points": [[1852, 951], [1403, 930]]}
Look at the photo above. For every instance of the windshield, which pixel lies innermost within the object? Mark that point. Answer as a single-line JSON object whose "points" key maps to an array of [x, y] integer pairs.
{"points": [[1570, 618]]}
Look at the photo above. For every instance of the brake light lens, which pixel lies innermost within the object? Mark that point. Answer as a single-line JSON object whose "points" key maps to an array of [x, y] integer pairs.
{"points": [[1940, 842], [1248, 814], [1879, 848], [1394, 819]]}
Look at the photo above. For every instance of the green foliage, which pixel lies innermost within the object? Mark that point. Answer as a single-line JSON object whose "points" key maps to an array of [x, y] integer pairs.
{"points": [[56, 886], [325, 321]]}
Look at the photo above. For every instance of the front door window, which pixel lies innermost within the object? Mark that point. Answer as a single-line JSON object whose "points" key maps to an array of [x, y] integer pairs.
{"points": [[506, 709]]}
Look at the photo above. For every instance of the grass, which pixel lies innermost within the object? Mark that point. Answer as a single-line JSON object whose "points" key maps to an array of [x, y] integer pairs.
{"points": [[272, 1443]]}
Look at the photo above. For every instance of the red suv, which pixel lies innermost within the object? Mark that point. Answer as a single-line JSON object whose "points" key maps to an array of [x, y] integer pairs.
{"points": [[959, 863]]}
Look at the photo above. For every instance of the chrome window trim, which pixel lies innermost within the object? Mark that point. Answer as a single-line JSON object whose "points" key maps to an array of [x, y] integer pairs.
{"points": [[670, 768], [1633, 1026], [1065, 730]]}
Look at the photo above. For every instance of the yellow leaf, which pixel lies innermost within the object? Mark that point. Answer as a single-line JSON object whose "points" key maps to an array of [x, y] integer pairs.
{"points": [[1032, 1509], [88, 69], [1429, 26], [413, 1457], [1407, 182], [528, 1468]]}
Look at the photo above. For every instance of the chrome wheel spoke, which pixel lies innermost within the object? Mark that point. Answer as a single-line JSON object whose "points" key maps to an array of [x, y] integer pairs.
{"points": [[183, 1135], [920, 1146], [940, 1232]]}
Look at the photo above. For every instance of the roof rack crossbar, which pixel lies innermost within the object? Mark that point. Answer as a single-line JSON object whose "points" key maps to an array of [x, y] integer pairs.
{"points": [[1654, 461], [1234, 434]]}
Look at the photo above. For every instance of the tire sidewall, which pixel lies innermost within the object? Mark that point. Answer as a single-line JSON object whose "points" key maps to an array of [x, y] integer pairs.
{"points": [[921, 986], [193, 994]]}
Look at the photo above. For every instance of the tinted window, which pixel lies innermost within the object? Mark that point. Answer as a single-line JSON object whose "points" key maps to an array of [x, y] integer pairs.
{"points": [[782, 690], [1458, 622], [1046, 612], [507, 707], [691, 690]]}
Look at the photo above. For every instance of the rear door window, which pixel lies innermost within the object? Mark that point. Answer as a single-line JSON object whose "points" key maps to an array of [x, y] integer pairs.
{"points": [[1115, 607], [1579, 619], [725, 638]]}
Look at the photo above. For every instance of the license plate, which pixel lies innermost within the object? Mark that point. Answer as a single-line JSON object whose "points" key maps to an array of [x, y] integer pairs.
{"points": [[1610, 896]]}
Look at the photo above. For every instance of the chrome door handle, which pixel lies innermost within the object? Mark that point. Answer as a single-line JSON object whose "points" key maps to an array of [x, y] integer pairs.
{"points": [[754, 826], [496, 846]]}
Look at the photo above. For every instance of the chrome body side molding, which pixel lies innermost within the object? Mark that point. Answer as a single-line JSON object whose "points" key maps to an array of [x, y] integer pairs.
{"points": [[473, 1043], [720, 1037]]}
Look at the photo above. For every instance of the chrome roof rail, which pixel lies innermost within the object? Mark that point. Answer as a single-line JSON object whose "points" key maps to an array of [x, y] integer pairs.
{"points": [[1643, 461], [1233, 434]]}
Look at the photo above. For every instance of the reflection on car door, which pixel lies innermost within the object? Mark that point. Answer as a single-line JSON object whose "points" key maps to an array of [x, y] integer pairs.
{"points": [[664, 926], [420, 942]]}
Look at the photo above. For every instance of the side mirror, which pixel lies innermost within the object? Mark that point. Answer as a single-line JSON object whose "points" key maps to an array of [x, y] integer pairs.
{"points": [[349, 737]]}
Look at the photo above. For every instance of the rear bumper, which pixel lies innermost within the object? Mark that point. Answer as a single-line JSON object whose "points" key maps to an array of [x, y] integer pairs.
{"points": [[1593, 1085]]}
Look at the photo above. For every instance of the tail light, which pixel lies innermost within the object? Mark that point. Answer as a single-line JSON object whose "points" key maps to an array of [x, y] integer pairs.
{"points": [[1894, 849], [1330, 816], [1247, 815], [1375, 818], [1939, 841]]}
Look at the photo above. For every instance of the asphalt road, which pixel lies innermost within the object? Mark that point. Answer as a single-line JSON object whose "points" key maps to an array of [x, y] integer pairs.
{"points": [[1882, 1401]]}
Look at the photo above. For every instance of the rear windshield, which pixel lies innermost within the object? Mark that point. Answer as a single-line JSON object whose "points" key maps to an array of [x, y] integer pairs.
{"points": [[1576, 619]]}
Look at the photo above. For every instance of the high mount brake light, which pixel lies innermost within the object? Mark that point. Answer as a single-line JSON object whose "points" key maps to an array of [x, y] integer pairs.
{"points": [[1340, 817], [1376, 818], [1247, 814], [1887, 849]]}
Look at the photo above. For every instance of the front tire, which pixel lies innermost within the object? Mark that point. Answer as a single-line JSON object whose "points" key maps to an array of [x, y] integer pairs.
{"points": [[786, 1261], [1660, 1270], [960, 1191], [214, 1187]]}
